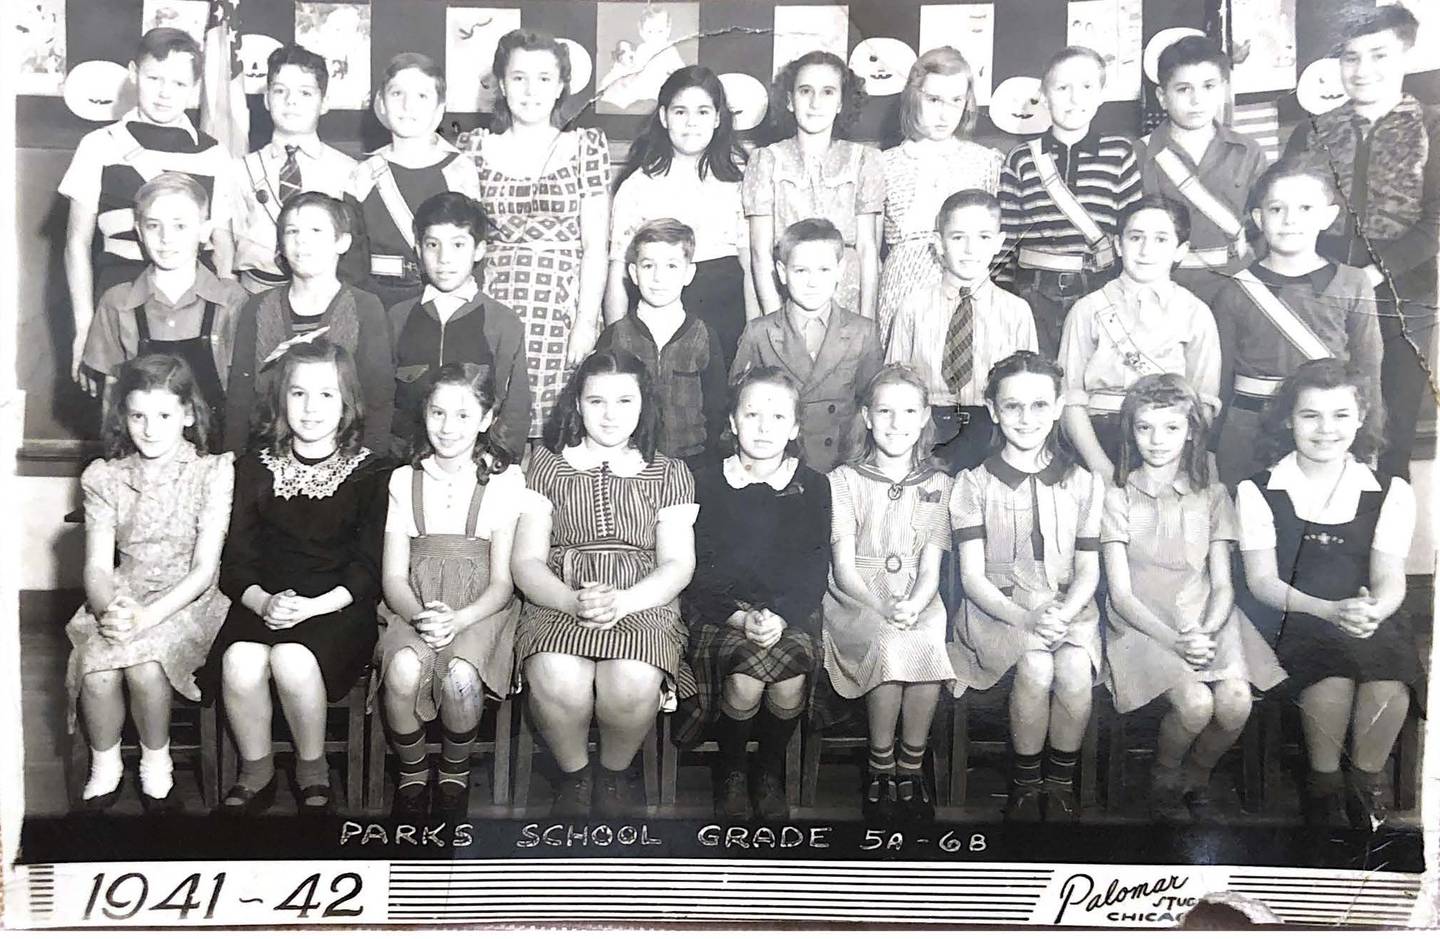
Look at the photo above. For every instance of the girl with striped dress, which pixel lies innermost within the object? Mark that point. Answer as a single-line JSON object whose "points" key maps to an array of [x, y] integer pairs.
{"points": [[884, 633], [601, 556], [450, 638]]}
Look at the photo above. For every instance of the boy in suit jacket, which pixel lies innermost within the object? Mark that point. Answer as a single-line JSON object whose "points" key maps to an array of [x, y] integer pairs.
{"points": [[830, 351]]}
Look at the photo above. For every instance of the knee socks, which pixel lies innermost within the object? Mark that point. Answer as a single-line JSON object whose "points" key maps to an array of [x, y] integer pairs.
{"points": [[410, 748], [911, 759], [732, 733], [882, 761], [777, 725], [455, 749], [1025, 770], [1060, 768]]}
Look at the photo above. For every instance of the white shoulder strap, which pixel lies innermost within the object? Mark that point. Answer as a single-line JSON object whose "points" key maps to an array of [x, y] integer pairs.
{"points": [[1295, 330], [1060, 193], [260, 183], [145, 162], [394, 201], [1197, 195]]}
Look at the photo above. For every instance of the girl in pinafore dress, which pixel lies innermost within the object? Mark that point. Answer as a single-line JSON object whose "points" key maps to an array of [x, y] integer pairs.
{"points": [[1027, 522], [937, 158], [814, 173], [1174, 629], [1324, 539], [302, 569], [449, 642], [161, 503], [762, 554], [601, 558], [884, 621], [547, 195]]}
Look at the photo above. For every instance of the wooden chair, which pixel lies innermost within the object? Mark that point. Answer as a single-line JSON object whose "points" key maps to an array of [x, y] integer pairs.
{"points": [[361, 745], [845, 739], [196, 743], [527, 741], [498, 747], [670, 764]]}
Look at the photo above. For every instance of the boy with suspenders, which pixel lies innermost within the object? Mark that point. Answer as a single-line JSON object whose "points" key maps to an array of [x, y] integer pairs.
{"points": [[417, 163], [112, 163], [293, 161], [1287, 308], [1062, 193], [1195, 159]]}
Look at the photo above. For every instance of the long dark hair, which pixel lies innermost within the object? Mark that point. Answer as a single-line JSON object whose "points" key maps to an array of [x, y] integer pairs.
{"points": [[1025, 362], [1279, 437], [272, 428], [566, 428], [1165, 391], [763, 375], [652, 152], [154, 371], [781, 123], [489, 455]]}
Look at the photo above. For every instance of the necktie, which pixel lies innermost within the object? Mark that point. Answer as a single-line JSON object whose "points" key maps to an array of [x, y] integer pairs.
{"points": [[814, 334], [290, 174], [958, 364]]}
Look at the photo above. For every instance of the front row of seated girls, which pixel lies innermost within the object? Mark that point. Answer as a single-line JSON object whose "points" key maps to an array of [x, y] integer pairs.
{"points": [[601, 542]]}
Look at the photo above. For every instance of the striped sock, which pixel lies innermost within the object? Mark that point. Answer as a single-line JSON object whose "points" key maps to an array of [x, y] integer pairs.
{"points": [[911, 758], [410, 748], [1060, 767], [1025, 770], [455, 749], [882, 761]]}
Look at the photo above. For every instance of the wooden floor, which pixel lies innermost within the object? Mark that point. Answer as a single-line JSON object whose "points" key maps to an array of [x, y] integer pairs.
{"points": [[44, 650]]}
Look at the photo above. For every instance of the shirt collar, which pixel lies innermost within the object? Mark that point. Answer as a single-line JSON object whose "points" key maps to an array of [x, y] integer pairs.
{"points": [[309, 145], [1052, 474], [739, 477], [466, 292], [950, 289], [133, 116], [134, 477], [441, 144], [1131, 288], [432, 469], [1090, 142], [1319, 279], [1162, 137], [1409, 107], [1141, 479], [626, 463], [1356, 477], [206, 287], [797, 317]]}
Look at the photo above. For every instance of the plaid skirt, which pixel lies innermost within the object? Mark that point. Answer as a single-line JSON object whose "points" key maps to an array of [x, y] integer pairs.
{"points": [[717, 652]]}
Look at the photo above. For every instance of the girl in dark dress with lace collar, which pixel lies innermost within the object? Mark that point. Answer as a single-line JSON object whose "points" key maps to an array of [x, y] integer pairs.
{"points": [[302, 569]]}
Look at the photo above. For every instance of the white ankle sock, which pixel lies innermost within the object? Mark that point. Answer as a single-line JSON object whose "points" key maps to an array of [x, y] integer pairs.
{"points": [[106, 768], [157, 772]]}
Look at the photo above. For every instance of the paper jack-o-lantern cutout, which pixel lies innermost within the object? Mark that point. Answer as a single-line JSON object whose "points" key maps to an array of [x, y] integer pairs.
{"points": [[1159, 43], [883, 64], [99, 91], [255, 50], [747, 98], [581, 66], [1017, 108], [1320, 88]]}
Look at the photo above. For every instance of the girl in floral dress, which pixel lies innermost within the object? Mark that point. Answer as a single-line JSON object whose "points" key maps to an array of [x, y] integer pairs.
{"points": [[161, 503], [546, 193]]}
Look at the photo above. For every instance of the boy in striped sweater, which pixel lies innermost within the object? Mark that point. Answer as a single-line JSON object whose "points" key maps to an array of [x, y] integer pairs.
{"points": [[1062, 193]]}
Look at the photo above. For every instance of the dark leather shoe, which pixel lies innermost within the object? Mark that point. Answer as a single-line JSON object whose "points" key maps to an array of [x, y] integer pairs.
{"points": [[572, 795], [165, 805], [101, 803], [1367, 806], [1023, 805], [614, 795], [411, 802], [769, 794], [1060, 804], [248, 801], [1326, 810], [452, 800], [732, 803], [1167, 803], [914, 800]]}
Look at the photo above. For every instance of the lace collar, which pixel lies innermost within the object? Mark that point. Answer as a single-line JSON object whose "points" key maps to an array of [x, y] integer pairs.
{"points": [[291, 477]]}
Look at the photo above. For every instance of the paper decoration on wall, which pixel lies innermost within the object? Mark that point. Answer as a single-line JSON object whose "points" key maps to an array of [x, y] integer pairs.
{"points": [[747, 97], [1114, 29], [1425, 54], [1263, 33], [341, 33], [969, 28], [1016, 108], [799, 30], [255, 50], [1159, 43], [99, 91], [1261, 122], [883, 64], [471, 34], [189, 15], [40, 47], [640, 45], [1320, 88], [581, 68]]}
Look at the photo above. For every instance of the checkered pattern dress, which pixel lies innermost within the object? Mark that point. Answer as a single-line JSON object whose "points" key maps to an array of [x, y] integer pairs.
{"points": [[533, 255]]}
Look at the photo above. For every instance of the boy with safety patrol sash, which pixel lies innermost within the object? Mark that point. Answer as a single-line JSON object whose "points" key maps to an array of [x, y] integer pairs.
{"points": [[112, 163], [1194, 158], [417, 163], [1062, 193], [293, 161], [1288, 308]]}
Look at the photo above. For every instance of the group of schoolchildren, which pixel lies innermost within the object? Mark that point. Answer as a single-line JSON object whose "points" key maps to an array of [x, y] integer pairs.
{"points": [[784, 475]]}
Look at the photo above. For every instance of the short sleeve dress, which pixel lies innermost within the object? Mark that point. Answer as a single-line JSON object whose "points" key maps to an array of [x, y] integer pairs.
{"points": [[1032, 525], [892, 523], [846, 183], [532, 261], [307, 526], [1167, 530], [450, 562], [156, 523], [603, 529], [918, 180]]}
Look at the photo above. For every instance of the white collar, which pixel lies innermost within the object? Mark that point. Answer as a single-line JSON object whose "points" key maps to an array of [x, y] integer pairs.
{"points": [[1130, 288], [309, 145], [465, 293], [1356, 477], [433, 470], [134, 115], [739, 477], [626, 462]]}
